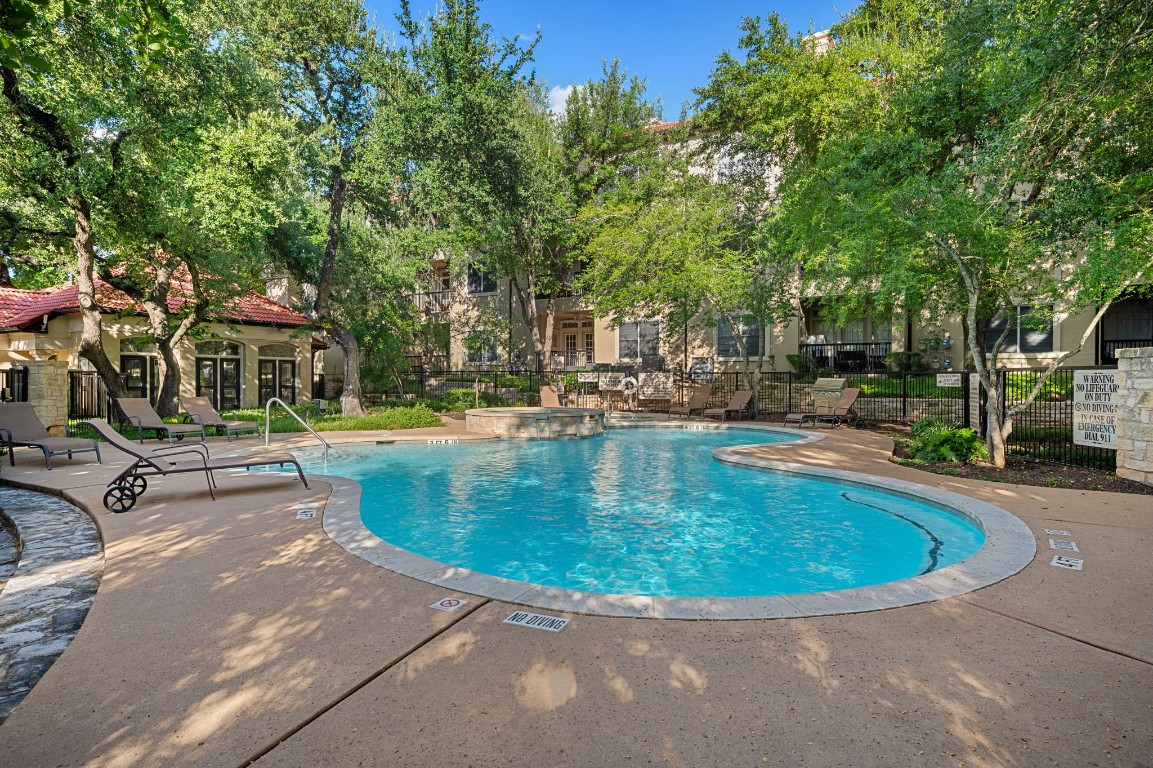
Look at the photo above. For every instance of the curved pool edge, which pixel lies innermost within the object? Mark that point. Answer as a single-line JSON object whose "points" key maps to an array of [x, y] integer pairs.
{"points": [[1009, 547]]}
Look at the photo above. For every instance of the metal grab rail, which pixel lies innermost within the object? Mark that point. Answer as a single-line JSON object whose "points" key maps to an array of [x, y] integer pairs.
{"points": [[292, 413]]}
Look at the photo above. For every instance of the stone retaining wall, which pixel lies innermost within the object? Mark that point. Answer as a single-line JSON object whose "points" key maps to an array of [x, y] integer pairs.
{"points": [[1135, 414]]}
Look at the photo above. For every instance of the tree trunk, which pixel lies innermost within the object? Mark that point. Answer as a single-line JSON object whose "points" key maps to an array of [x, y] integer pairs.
{"points": [[92, 329], [526, 297], [350, 397], [999, 427]]}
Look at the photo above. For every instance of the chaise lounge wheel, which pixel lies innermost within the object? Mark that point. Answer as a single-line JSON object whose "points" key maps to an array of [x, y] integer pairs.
{"points": [[138, 484], [120, 498]]}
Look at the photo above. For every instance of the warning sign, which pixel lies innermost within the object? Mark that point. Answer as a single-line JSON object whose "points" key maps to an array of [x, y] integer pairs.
{"points": [[1095, 408], [448, 604], [537, 621]]}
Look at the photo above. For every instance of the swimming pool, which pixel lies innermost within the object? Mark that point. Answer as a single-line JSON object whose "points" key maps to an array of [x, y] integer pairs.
{"points": [[646, 513]]}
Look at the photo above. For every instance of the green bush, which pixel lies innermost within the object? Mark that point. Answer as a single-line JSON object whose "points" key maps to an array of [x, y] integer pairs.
{"points": [[404, 417], [936, 441], [907, 362], [463, 398]]}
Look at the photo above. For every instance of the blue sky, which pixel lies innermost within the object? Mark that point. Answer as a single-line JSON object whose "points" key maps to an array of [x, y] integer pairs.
{"points": [[672, 44]]}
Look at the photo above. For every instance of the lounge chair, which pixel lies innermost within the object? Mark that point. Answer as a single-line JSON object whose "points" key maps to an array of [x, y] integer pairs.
{"points": [[843, 411], [21, 427], [740, 402], [200, 410], [131, 483], [549, 398], [140, 413], [698, 401]]}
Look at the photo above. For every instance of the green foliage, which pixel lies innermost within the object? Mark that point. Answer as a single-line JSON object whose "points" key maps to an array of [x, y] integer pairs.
{"points": [[938, 441], [906, 362], [411, 416], [464, 398]]}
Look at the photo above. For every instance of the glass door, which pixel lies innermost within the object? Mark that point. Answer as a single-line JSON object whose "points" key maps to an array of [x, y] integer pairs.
{"points": [[207, 378], [140, 374], [277, 378]]}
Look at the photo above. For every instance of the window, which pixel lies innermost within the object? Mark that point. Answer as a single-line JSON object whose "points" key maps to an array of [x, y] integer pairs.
{"points": [[480, 281], [640, 339], [727, 345], [481, 349], [1026, 334]]}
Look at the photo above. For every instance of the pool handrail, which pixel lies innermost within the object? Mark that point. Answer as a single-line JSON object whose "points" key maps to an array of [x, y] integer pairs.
{"points": [[293, 414]]}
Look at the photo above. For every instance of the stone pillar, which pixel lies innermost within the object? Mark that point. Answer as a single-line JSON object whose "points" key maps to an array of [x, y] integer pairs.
{"points": [[1135, 414], [48, 392]]}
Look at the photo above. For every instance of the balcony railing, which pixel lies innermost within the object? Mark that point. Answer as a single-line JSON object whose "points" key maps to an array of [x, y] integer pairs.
{"points": [[1109, 348], [848, 355], [433, 302], [579, 358]]}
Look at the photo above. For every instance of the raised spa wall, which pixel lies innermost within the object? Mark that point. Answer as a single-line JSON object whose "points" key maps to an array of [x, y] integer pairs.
{"points": [[536, 423]]}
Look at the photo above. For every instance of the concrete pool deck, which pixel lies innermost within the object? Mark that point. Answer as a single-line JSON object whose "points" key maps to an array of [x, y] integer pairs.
{"points": [[231, 633]]}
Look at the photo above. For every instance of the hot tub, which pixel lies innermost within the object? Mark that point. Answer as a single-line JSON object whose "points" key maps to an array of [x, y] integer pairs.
{"points": [[536, 423]]}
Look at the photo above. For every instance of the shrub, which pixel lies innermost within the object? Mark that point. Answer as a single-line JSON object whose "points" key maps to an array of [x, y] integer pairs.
{"points": [[406, 417], [463, 398], [906, 362], [936, 441]]}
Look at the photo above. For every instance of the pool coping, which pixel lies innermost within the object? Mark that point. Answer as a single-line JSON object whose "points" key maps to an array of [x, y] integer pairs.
{"points": [[1009, 547]]}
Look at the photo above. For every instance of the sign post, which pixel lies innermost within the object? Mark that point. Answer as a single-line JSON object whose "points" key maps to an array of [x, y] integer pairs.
{"points": [[1095, 409]]}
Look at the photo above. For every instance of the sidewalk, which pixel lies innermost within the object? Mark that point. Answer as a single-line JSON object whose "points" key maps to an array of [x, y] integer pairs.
{"points": [[230, 633]]}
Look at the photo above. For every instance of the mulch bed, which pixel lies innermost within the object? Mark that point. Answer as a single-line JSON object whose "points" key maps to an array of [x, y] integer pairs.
{"points": [[1026, 471]]}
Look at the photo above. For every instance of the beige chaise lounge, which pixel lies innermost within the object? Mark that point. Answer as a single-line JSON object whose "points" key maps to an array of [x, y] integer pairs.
{"points": [[737, 405], [200, 410], [140, 413], [130, 484], [698, 401], [22, 428]]}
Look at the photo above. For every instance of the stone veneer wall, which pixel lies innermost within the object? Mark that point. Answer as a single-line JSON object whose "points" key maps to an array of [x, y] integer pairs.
{"points": [[48, 392], [1135, 414]]}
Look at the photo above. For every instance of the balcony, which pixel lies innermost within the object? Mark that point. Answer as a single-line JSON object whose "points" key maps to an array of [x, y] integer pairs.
{"points": [[572, 359], [433, 302], [848, 356]]}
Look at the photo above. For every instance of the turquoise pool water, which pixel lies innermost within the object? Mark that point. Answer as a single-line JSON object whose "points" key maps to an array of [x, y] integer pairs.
{"points": [[643, 511]]}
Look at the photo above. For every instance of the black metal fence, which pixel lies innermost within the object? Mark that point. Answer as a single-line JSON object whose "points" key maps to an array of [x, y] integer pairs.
{"points": [[14, 385], [1044, 430], [87, 397], [464, 388]]}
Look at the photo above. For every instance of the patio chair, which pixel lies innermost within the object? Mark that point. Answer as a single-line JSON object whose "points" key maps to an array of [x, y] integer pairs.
{"points": [[21, 427], [843, 411], [200, 410], [738, 405], [132, 482], [698, 401], [140, 413]]}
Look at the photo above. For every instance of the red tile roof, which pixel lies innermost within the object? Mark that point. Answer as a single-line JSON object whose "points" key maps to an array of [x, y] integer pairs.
{"points": [[20, 308]]}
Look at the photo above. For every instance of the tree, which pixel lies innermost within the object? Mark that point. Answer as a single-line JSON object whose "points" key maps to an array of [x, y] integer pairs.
{"points": [[1011, 169], [328, 61], [448, 126], [679, 244], [64, 131]]}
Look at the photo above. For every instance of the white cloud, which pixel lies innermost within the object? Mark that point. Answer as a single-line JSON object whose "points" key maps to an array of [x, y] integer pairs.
{"points": [[557, 97]]}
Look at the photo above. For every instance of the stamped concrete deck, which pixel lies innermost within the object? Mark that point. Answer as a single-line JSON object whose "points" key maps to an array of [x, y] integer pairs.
{"points": [[230, 633]]}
